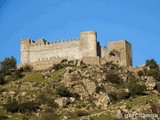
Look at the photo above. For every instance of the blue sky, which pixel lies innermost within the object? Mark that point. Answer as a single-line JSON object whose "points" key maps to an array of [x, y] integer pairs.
{"points": [[137, 21]]}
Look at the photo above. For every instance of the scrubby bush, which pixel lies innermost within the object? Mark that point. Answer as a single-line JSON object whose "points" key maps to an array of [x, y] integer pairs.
{"points": [[50, 102], [136, 89], [26, 68], [114, 78], [57, 66], [140, 73], [63, 91], [17, 74], [2, 81], [43, 99], [154, 72], [158, 86], [123, 95], [13, 106], [81, 113], [76, 96], [118, 95], [29, 106], [152, 64]]}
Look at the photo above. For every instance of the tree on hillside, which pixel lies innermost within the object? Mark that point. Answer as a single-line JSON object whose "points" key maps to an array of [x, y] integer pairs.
{"points": [[7, 65], [8, 68], [152, 64]]}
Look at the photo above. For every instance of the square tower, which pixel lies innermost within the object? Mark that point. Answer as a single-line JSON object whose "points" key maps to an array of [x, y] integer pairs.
{"points": [[124, 50]]}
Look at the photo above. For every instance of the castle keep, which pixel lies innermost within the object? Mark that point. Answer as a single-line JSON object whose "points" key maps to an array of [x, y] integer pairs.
{"points": [[42, 54]]}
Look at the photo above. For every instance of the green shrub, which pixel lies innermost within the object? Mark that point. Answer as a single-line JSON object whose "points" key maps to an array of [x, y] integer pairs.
{"points": [[13, 106], [155, 73], [42, 98], [8, 68], [17, 75], [63, 91], [29, 106], [158, 86], [57, 66], [76, 96], [118, 95], [2, 81], [113, 78], [140, 73], [131, 78], [136, 89], [123, 95], [81, 113], [26, 68], [50, 102], [152, 64], [152, 72], [7, 65]]}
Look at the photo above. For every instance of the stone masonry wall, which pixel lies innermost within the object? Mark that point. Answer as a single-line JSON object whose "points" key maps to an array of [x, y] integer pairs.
{"points": [[42, 54], [124, 48], [50, 51], [67, 50]]}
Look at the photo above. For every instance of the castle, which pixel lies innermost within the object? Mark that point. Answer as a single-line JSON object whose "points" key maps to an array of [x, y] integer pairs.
{"points": [[42, 54]]}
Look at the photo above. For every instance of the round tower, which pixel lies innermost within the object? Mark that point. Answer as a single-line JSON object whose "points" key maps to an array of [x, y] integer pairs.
{"points": [[88, 43]]}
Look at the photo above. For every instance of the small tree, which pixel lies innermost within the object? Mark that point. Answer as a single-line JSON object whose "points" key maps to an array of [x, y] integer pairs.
{"points": [[152, 64], [7, 65]]}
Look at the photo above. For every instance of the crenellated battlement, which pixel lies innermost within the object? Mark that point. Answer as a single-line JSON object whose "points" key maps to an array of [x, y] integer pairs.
{"points": [[41, 42], [85, 47]]}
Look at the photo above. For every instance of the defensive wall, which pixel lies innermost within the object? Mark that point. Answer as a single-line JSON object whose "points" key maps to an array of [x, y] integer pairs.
{"points": [[43, 54]]}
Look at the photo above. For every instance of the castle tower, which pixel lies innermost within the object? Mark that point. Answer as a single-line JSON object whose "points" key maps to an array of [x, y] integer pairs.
{"points": [[88, 43], [25, 49], [124, 49]]}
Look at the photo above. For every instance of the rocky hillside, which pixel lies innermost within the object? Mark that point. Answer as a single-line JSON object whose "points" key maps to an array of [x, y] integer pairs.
{"points": [[85, 92]]}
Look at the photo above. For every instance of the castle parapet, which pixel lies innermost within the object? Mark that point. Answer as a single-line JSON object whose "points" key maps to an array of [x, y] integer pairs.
{"points": [[27, 41]]}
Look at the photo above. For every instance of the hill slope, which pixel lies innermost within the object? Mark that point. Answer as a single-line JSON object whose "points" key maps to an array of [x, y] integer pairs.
{"points": [[81, 92]]}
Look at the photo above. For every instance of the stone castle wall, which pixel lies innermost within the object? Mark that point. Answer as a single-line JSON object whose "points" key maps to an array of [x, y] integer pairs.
{"points": [[49, 51], [42, 51], [42, 54], [123, 52]]}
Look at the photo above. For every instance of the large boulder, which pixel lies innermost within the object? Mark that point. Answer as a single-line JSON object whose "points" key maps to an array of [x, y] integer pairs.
{"points": [[150, 83], [89, 86], [102, 100], [80, 90], [62, 102]]}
